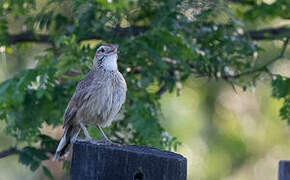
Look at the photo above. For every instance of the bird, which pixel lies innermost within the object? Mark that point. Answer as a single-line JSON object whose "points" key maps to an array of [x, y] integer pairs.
{"points": [[97, 99]]}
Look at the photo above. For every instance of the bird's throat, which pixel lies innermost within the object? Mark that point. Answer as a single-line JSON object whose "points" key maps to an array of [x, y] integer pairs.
{"points": [[110, 62]]}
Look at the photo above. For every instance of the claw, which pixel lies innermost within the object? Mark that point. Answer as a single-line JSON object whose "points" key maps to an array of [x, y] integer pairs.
{"points": [[106, 142], [83, 140]]}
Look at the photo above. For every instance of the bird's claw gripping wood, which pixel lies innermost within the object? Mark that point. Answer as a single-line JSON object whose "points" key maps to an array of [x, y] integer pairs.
{"points": [[83, 140], [103, 142], [98, 142]]}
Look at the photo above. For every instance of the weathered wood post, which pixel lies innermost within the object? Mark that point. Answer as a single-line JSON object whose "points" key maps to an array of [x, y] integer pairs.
{"points": [[284, 170], [99, 162]]}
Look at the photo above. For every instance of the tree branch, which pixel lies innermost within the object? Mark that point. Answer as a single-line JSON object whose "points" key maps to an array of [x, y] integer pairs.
{"points": [[264, 34], [161, 91], [8, 152], [43, 38], [14, 150], [270, 33], [246, 2], [265, 66], [29, 37]]}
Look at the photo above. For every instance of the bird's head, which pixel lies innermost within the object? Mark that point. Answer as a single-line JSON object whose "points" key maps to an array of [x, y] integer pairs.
{"points": [[106, 57]]}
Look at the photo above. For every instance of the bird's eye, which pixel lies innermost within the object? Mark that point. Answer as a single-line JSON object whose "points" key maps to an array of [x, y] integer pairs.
{"points": [[102, 50]]}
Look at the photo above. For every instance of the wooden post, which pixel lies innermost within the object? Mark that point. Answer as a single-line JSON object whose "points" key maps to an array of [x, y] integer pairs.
{"points": [[100, 162], [284, 170]]}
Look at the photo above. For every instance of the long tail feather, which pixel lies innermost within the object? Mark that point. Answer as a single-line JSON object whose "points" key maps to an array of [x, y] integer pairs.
{"points": [[69, 137]]}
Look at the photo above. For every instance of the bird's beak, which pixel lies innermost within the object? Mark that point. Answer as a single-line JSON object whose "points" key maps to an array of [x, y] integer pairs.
{"points": [[115, 46]]}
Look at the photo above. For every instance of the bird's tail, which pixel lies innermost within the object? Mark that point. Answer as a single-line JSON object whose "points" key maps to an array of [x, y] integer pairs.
{"points": [[68, 138]]}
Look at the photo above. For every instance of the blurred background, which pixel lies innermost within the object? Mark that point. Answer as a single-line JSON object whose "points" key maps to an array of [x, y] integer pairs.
{"points": [[225, 132]]}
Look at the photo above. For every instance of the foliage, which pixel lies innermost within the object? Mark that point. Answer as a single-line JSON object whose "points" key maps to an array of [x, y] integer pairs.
{"points": [[281, 89], [265, 10], [161, 46]]}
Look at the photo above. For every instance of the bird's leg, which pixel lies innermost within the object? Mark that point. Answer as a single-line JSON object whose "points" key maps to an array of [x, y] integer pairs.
{"points": [[105, 138], [88, 137], [104, 141]]}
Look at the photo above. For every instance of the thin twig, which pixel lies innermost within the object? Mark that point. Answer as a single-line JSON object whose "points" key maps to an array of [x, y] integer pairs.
{"points": [[161, 91], [14, 150]]}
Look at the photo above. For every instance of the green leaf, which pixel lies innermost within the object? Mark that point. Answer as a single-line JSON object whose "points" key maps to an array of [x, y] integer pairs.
{"points": [[281, 87], [285, 110], [32, 157], [47, 173]]}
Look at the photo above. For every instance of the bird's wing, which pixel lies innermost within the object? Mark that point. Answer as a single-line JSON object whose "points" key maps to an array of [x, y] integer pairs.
{"points": [[76, 101], [78, 98]]}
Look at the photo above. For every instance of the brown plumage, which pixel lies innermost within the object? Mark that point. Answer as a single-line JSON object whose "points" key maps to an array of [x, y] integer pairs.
{"points": [[96, 101]]}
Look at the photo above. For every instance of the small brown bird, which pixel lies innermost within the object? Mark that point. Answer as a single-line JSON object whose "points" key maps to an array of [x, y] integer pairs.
{"points": [[96, 101]]}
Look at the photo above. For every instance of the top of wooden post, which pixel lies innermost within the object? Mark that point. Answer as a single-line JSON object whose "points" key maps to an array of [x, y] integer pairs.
{"points": [[104, 162]]}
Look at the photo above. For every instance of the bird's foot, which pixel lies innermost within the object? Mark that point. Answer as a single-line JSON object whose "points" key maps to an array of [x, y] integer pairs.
{"points": [[84, 140], [104, 142]]}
